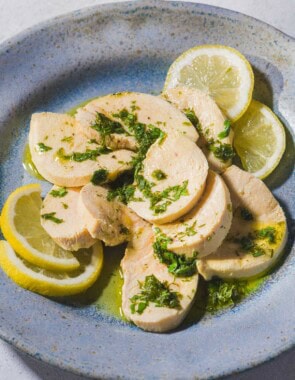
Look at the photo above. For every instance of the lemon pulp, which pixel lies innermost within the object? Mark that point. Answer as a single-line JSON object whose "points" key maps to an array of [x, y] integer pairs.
{"points": [[259, 139]]}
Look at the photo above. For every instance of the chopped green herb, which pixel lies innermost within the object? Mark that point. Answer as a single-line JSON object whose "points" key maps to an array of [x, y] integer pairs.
{"points": [[179, 265], [123, 194], [246, 242], [224, 294], [89, 154], [134, 107], [67, 139], [189, 231], [105, 126], [82, 156], [41, 147], [223, 152], [144, 185], [225, 133], [124, 230], [93, 141], [268, 233], [246, 214], [190, 114], [258, 251], [122, 188], [59, 193], [249, 243], [160, 200], [175, 192], [51, 216], [65, 206], [159, 175], [145, 134], [172, 193], [99, 176], [155, 291]]}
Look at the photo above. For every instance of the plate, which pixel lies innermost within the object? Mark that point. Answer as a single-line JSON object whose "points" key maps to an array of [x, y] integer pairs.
{"points": [[129, 46]]}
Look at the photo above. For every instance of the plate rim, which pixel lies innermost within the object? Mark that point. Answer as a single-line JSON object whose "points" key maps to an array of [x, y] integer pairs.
{"points": [[141, 3]]}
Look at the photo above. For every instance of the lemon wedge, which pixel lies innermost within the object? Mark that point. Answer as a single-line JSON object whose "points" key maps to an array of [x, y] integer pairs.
{"points": [[259, 139], [20, 224], [51, 283], [220, 71]]}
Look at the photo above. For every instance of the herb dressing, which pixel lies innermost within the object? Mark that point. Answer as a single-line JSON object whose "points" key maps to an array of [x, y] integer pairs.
{"points": [[106, 293]]}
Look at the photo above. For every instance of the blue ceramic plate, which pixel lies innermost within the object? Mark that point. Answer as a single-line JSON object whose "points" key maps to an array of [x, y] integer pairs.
{"points": [[129, 46]]}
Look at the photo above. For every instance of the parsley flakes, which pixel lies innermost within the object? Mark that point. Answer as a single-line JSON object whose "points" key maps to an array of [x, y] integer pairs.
{"points": [[51, 216], [155, 291], [179, 265], [59, 192]]}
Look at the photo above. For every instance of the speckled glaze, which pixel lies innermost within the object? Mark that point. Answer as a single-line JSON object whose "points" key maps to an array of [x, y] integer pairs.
{"points": [[129, 46]]}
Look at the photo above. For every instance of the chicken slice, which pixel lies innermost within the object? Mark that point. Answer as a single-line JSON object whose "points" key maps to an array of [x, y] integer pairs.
{"points": [[140, 265], [108, 221], [211, 121], [258, 232], [59, 219], [65, 157], [91, 118], [204, 228], [148, 110], [172, 180]]}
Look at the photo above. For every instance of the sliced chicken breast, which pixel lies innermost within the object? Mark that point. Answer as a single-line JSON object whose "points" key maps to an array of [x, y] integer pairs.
{"points": [[138, 265], [211, 121], [59, 219], [108, 221], [258, 233], [172, 180], [148, 109], [204, 228], [65, 157], [91, 119]]}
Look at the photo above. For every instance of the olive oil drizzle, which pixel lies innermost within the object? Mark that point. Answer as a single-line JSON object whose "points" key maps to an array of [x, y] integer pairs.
{"points": [[28, 164]]}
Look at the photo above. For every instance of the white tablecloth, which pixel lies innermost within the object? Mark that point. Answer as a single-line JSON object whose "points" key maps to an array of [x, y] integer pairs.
{"points": [[16, 15]]}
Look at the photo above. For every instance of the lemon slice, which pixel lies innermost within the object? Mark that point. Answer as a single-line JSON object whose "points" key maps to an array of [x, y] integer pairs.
{"points": [[220, 71], [259, 139], [50, 283], [20, 224]]}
